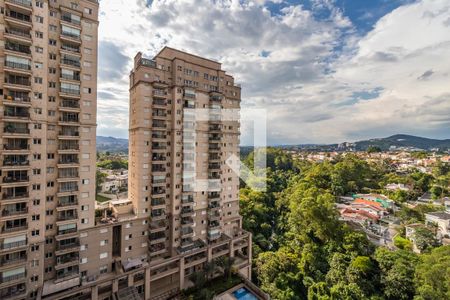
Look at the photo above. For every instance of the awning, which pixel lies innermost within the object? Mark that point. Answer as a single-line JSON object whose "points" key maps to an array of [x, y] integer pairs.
{"points": [[131, 264], [51, 287]]}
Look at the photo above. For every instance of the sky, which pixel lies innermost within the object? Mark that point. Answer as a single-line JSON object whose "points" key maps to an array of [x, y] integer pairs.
{"points": [[326, 71]]}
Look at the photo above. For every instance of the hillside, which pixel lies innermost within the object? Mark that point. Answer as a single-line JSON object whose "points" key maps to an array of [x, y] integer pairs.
{"points": [[111, 144], [403, 140]]}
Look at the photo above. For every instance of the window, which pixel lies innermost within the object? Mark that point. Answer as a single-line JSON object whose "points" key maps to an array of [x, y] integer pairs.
{"points": [[87, 63], [73, 5], [39, 4], [38, 80], [83, 260], [36, 171], [39, 34], [38, 49], [38, 65], [53, 13], [84, 221], [37, 95], [103, 242], [52, 56], [87, 90], [103, 269], [39, 19], [36, 156], [51, 99], [49, 255], [88, 11], [52, 84], [52, 27], [52, 70], [35, 232], [52, 42], [103, 255]]}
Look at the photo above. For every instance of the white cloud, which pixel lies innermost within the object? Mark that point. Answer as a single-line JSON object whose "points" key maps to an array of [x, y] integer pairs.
{"points": [[287, 63]]}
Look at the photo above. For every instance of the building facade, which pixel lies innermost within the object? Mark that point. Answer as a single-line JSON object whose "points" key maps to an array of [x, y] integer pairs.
{"points": [[55, 241], [47, 135]]}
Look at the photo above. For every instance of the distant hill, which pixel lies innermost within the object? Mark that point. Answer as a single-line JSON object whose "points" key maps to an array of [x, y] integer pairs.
{"points": [[405, 141], [112, 144]]}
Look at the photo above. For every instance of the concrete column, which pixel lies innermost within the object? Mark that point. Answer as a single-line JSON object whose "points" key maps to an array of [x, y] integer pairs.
{"points": [[182, 273], [249, 256], [147, 284], [131, 280], [115, 285], [231, 248], [94, 293], [209, 254]]}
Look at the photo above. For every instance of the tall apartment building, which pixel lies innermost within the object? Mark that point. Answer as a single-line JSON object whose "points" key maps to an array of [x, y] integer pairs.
{"points": [[54, 242], [48, 89]]}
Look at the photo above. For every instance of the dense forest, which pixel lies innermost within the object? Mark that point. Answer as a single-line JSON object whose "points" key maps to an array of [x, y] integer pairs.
{"points": [[302, 251]]}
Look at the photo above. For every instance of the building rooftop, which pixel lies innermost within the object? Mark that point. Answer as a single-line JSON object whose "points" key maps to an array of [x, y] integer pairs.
{"points": [[440, 215]]}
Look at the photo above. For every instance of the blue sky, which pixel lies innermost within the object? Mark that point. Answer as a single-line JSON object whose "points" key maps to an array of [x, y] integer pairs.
{"points": [[325, 70]]}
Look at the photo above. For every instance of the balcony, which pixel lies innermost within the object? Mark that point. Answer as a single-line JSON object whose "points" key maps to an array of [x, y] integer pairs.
{"points": [[70, 18], [159, 124], [69, 91], [158, 168], [68, 244], [158, 202], [68, 159], [214, 215], [18, 66], [187, 199], [18, 34], [214, 127], [158, 157], [71, 36], [18, 81], [70, 48], [215, 138], [15, 195], [69, 119], [23, 3], [13, 258], [11, 278], [157, 249], [71, 62], [159, 135], [16, 112], [21, 145], [187, 212], [13, 292], [187, 221], [214, 166], [68, 147], [13, 245], [16, 162], [18, 18], [69, 133], [158, 225], [14, 228], [15, 178], [68, 173], [214, 147], [156, 215], [17, 98], [67, 231], [68, 258], [11, 213], [66, 273], [186, 232], [213, 224], [67, 215], [73, 77], [68, 187], [67, 201], [157, 237], [216, 98], [21, 49], [159, 102], [159, 93]]}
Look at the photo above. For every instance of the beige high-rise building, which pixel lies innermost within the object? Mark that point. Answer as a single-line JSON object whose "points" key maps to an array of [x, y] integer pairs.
{"points": [[55, 241], [48, 89]]}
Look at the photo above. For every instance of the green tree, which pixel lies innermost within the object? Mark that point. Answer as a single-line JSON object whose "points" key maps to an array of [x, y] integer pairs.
{"points": [[432, 275]]}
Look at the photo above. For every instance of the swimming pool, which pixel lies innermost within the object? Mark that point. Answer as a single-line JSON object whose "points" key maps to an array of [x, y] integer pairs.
{"points": [[244, 294]]}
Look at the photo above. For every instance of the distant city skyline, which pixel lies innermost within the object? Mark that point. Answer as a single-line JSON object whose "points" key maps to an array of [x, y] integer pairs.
{"points": [[327, 71]]}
